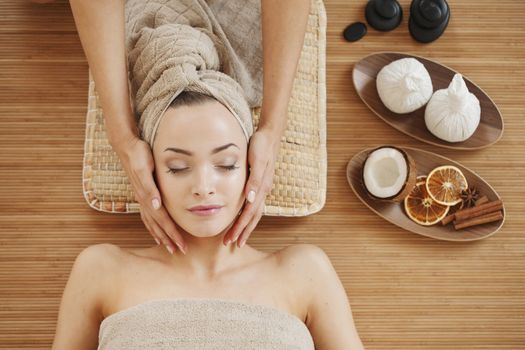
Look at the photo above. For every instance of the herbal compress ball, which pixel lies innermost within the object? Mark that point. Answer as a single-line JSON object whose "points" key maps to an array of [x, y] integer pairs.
{"points": [[404, 85]]}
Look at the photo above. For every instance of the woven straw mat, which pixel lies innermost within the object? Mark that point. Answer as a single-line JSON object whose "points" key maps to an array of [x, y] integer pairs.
{"points": [[299, 185]]}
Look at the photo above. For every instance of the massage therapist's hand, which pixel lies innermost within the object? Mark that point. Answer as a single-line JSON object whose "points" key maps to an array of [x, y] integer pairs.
{"points": [[137, 160], [262, 154]]}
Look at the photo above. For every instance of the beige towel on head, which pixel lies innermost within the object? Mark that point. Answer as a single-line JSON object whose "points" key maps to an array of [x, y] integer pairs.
{"points": [[203, 324], [177, 45]]}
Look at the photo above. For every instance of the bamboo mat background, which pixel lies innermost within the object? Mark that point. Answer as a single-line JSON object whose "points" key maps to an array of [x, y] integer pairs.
{"points": [[406, 291]]}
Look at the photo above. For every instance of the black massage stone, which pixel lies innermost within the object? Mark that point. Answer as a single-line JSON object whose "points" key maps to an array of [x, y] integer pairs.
{"points": [[428, 19], [383, 15], [355, 31]]}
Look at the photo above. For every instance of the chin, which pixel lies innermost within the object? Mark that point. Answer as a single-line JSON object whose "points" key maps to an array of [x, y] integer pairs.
{"points": [[203, 226], [205, 229]]}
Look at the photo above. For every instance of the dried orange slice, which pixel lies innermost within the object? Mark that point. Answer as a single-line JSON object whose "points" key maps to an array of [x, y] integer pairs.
{"points": [[421, 208], [445, 183]]}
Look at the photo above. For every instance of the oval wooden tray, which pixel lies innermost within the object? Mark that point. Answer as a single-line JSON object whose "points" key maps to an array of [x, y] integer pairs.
{"points": [[490, 128], [395, 212]]}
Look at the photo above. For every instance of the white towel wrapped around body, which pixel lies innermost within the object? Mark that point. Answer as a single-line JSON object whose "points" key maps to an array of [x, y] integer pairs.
{"points": [[203, 324], [178, 45]]}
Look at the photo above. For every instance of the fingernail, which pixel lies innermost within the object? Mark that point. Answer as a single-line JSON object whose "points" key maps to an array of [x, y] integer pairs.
{"points": [[170, 249], [228, 241], [182, 250], [155, 202], [251, 196], [156, 240], [242, 243]]}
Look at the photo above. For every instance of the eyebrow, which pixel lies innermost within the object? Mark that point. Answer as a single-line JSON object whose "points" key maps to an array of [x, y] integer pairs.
{"points": [[214, 151]]}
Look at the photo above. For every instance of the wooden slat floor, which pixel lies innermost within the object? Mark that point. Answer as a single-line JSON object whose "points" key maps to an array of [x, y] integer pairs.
{"points": [[406, 291]]}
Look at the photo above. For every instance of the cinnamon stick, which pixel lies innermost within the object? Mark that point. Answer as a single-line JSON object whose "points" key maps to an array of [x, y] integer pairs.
{"points": [[451, 217], [480, 210], [448, 219], [482, 200], [483, 219]]}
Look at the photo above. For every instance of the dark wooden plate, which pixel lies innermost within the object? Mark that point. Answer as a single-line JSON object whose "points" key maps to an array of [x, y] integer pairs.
{"points": [[395, 212], [365, 71]]}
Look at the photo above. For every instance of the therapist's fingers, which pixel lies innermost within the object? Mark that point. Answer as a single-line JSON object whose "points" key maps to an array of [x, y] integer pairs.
{"points": [[157, 233], [251, 210], [251, 226], [157, 220], [163, 226], [148, 227], [262, 154], [138, 162]]}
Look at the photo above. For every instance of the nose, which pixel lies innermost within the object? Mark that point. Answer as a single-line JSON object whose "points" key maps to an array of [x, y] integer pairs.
{"points": [[203, 183]]}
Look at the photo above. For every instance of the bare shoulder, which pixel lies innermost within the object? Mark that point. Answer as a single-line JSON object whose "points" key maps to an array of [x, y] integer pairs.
{"points": [[313, 268], [308, 267], [97, 264], [328, 313], [304, 257], [82, 304], [98, 268], [98, 256]]}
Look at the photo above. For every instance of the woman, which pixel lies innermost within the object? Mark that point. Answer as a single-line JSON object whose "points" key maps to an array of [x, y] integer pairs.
{"points": [[215, 296], [100, 25]]}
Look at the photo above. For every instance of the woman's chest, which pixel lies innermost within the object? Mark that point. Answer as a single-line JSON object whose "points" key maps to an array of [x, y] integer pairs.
{"points": [[263, 285]]}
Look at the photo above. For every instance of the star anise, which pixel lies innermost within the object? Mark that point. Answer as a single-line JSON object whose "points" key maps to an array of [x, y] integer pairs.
{"points": [[469, 197]]}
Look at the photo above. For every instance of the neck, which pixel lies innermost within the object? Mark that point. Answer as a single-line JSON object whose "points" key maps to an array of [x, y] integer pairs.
{"points": [[206, 257]]}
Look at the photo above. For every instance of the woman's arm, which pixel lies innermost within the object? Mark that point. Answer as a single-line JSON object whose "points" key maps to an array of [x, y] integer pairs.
{"points": [[283, 30], [80, 311], [100, 25], [329, 317]]}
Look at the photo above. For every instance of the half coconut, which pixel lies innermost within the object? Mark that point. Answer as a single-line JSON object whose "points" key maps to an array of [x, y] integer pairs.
{"points": [[389, 173]]}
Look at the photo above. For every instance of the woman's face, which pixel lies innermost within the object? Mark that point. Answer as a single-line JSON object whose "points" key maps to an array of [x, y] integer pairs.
{"points": [[200, 154]]}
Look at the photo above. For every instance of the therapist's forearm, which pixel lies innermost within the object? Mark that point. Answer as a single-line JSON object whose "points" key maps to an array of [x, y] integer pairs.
{"points": [[100, 25], [283, 30]]}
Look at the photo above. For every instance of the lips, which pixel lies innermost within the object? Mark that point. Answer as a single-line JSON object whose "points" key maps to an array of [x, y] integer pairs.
{"points": [[205, 210]]}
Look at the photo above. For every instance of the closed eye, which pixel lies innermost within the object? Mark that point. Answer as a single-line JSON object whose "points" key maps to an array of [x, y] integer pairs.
{"points": [[175, 170], [225, 167], [229, 167]]}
